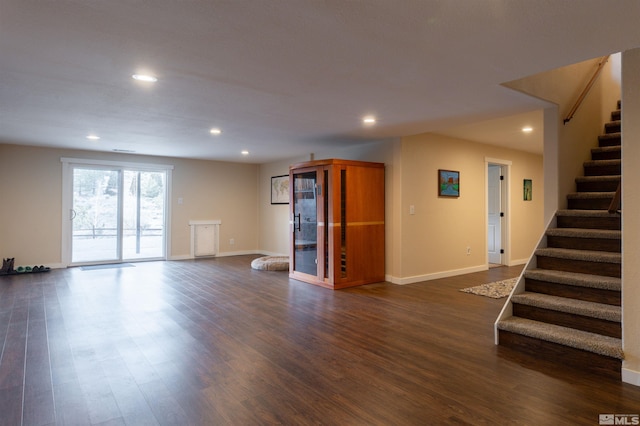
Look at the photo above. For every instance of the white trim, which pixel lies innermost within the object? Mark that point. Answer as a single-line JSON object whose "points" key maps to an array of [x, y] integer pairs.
{"points": [[436, 275], [205, 222], [167, 212], [631, 376], [505, 233], [225, 254], [123, 164], [518, 262], [237, 253]]}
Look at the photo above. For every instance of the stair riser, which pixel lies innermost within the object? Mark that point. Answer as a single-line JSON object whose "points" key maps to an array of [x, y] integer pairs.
{"points": [[611, 222], [578, 322], [599, 244], [606, 155], [616, 115], [569, 357], [612, 127], [589, 203], [597, 186], [579, 266], [602, 170], [609, 140], [597, 295]]}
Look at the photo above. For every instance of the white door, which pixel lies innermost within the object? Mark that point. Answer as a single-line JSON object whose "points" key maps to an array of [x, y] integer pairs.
{"points": [[494, 205]]}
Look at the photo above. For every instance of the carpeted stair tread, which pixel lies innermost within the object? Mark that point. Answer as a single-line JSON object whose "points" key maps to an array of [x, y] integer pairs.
{"points": [[575, 279], [583, 255], [603, 162], [570, 306], [583, 213], [614, 148], [585, 233], [613, 135], [589, 195], [606, 178], [590, 342], [613, 123]]}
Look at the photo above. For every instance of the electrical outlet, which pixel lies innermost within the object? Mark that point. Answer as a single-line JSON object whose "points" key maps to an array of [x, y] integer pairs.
{"points": [[232, 241]]}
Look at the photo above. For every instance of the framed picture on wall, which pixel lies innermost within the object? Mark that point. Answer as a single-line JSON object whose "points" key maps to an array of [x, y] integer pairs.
{"points": [[448, 183], [280, 189], [527, 187]]}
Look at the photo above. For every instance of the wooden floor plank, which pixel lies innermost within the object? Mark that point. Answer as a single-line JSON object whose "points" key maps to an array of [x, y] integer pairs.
{"points": [[212, 341]]}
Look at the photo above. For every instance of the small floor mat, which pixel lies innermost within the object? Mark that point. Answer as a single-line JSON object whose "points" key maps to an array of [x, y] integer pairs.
{"points": [[495, 290], [109, 266]]}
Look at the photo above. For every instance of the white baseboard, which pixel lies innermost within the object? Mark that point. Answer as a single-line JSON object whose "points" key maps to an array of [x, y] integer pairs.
{"points": [[518, 262], [237, 253], [223, 254], [180, 257], [630, 376], [436, 275]]}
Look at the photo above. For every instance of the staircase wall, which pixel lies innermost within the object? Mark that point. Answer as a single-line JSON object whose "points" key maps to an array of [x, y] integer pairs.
{"points": [[562, 87]]}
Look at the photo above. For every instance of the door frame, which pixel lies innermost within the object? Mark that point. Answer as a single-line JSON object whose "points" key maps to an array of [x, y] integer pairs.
{"points": [[505, 201], [67, 200]]}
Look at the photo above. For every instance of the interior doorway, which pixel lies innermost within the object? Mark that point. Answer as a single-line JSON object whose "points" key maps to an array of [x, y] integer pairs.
{"points": [[497, 214]]}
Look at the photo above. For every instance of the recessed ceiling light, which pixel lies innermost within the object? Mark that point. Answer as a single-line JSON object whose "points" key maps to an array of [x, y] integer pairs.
{"points": [[369, 120], [145, 77], [93, 137], [527, 129], [215, 131], [245, 152]]}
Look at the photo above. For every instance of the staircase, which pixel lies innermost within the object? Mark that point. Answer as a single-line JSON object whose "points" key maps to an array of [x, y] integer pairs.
{"points": [[570, 309]]}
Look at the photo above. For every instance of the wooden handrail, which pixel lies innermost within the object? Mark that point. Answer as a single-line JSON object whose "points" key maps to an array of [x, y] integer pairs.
{"points": [[614, 207], [584, 93]]}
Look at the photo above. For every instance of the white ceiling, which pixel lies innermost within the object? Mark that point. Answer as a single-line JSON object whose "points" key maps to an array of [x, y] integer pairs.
{"points": [[283, 78]]}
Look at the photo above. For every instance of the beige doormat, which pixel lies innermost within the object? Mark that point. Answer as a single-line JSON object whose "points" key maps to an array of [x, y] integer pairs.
{"points": [[495, 290]]}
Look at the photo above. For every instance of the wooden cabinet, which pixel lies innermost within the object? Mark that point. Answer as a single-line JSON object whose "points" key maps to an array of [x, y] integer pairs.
{"points": [[337, 222]]}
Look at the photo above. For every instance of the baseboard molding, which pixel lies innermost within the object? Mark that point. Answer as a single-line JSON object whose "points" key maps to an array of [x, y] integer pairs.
{"points": [[631, 376], [518, 262], [180, 257], [223, 254], [436, 275], [237, 253]]}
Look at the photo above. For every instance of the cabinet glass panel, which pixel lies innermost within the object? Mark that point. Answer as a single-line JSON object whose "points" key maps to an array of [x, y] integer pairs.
{"points": [[305, 223]]}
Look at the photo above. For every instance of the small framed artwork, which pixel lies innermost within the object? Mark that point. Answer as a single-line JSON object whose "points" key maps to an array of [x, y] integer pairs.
{"points": [[448, 183], [527, 187], [280, 189]]}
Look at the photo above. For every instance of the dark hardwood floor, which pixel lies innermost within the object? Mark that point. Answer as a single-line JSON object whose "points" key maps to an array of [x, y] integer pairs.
{"points": [[212, 342]]}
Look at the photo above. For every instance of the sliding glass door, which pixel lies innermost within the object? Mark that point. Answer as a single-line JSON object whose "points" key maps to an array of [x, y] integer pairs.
{"points": [[143, 214], [96, 224], [117, 214]]}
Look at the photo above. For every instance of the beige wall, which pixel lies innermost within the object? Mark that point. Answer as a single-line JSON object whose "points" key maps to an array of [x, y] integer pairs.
{"points": [[31, 209], [436, 237], [423, 246]]}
